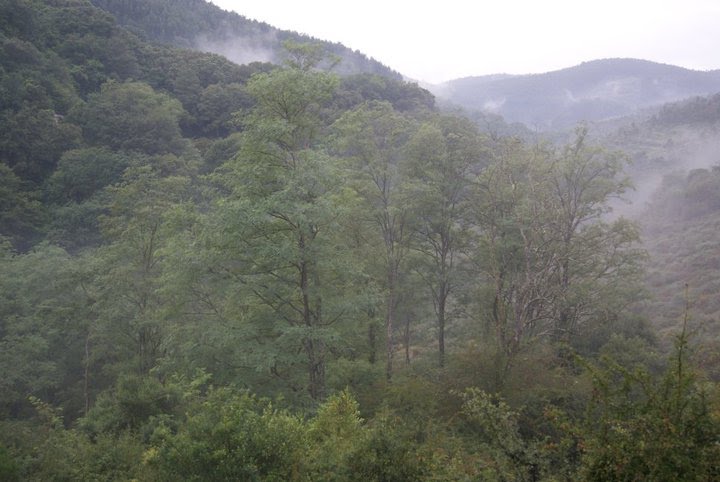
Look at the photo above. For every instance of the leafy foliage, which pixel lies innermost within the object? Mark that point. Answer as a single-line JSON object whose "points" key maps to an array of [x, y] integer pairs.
{"points": [[132, 117], [642, 429], [184, 239], [233, 437]]}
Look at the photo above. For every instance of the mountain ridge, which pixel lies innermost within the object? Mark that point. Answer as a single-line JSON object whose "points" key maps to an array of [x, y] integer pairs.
{"points": [[585, 63], [593, 90], [201, 25]]}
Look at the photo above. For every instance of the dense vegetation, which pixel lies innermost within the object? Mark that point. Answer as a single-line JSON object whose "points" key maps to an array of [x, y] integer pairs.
{"points": [[220, 272], [200, 25]]}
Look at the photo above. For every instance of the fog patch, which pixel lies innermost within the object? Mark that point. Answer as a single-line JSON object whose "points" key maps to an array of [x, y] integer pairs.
{"points": [[686, 149], [240, 50], [624, 87], [493, 105], [570, 97], [444, 89], [636, 200]]}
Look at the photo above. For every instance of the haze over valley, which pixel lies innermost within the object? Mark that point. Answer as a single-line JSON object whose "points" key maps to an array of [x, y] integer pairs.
{"points": [[232, 249]]}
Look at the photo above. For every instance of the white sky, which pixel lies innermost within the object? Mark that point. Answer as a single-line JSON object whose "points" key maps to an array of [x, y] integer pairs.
{"points": [[443, 40]]}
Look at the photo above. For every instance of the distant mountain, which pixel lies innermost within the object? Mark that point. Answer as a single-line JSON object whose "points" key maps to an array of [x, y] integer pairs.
{"points": [[200, 25], [591, 91]]}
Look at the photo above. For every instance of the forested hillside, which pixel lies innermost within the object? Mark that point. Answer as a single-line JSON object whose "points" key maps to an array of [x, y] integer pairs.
{"points": [[200, 25], [213, 271], [674, 153]]}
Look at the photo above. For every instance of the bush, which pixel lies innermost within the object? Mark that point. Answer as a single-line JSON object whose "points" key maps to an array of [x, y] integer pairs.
{"points": [[231, 436], [639, 428]]}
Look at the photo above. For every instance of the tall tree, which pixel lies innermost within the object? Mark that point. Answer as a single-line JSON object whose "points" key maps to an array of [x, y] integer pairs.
{"points": [[42, 322], [372, 138], [278, 231], [443, 156], [127, 287], [597, 255], [553, 259]]}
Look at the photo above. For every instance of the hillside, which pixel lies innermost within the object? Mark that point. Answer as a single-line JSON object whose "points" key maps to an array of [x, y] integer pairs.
{"points": [[200, 25], [674, 166], [681, 225], [678, 136], [591, 91], [58, 61], [264, 272]]}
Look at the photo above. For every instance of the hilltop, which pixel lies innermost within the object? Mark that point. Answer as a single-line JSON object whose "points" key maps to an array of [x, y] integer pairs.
{"points": [[591, 91], [200, 25]]}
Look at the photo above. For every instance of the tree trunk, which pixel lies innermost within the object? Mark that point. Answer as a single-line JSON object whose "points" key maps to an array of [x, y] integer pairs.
{"points": [[441, 326], [389, 334], [86, 375], [390, 319], [316, 368], [313, 348], [407, 339]]}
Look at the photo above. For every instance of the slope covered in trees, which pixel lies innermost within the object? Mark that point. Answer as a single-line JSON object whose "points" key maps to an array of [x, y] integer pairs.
{"points": [[683, 246], [270, 272], [673, 150], [200, 25]]}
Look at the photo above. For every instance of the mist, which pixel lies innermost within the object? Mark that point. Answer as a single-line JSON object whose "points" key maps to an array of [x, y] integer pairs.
{"points": [[241, 50], [685, 150]]}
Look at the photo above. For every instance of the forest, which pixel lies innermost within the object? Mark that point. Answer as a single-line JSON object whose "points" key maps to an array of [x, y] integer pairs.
{"points": [[213, 271]]}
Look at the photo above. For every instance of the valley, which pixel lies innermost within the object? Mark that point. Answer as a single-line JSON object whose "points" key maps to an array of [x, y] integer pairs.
{"points": [[234, 252]]}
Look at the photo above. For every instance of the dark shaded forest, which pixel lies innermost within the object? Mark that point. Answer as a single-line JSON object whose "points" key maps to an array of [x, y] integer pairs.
{"points": [[213, 271]]}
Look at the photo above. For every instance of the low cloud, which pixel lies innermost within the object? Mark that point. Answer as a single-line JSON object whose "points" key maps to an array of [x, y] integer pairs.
{"points": [[241, 50]]}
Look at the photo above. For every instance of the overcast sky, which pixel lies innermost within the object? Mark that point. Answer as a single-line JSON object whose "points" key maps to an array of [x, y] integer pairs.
{"points": [[443, 40]]}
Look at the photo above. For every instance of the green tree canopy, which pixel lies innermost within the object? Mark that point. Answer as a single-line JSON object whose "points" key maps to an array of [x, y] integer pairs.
{"points": [[133, 117]]}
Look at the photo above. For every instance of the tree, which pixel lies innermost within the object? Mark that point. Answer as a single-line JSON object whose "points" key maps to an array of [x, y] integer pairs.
{"points": [[641, 428], [333, 435], [41, 329], [371, 138], [306, 56], [595, 255], [127, 285], [82, 172], [497, 428], [231, 436], [20, 209], [552, 259], [132, 116], [278, 233], [33, 139], [216, 106], [443, 157]]}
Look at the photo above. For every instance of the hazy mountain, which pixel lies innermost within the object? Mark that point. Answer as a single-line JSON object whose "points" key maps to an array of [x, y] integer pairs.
{"points": [[596, 90], [200, 25], [680, 135], [664, 140], [674, 167]]}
